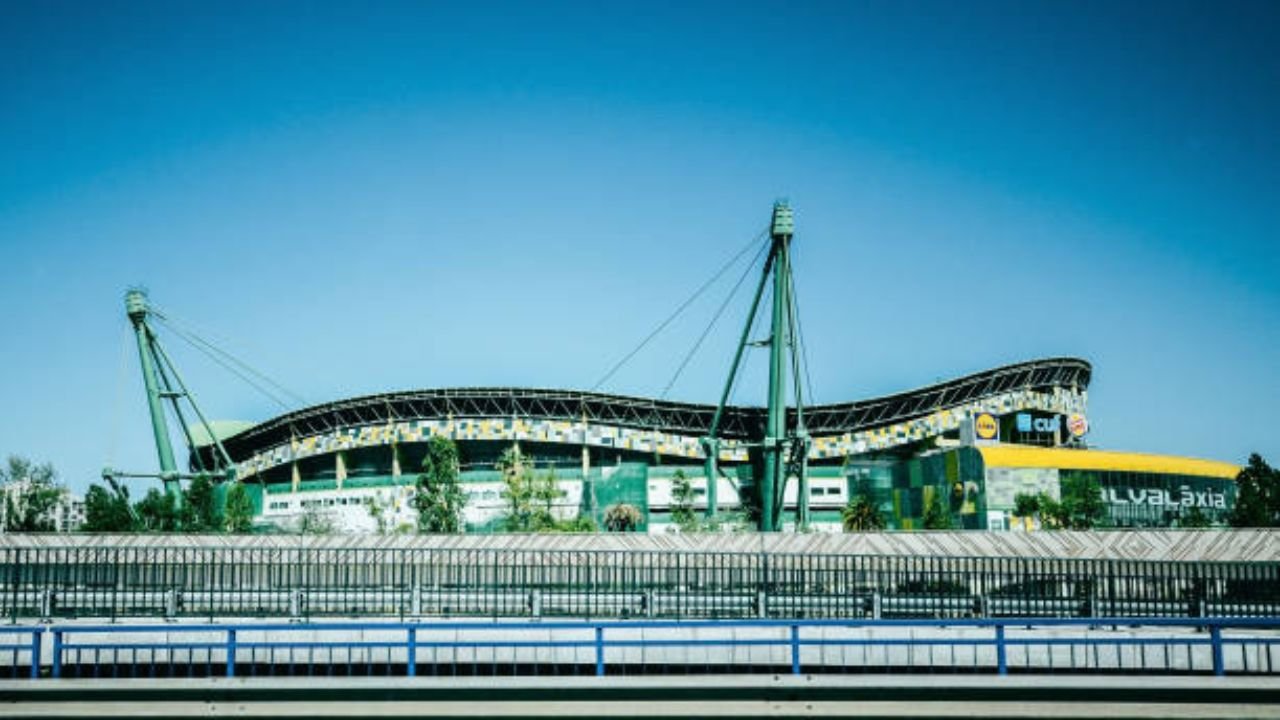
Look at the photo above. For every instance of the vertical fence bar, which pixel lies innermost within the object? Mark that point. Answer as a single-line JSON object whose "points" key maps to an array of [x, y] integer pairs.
{"points": [[411, 667], [1215, 641], [36, 636], [1002, 660], [57, 653], [599, 650], [231, 652], [795, 649]]}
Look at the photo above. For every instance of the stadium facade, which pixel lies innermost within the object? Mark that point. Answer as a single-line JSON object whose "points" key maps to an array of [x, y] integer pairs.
{"points": [[971, 445]]}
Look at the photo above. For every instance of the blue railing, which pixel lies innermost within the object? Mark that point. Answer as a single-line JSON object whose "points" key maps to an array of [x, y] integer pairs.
{"points": [[17, 641], [1029, 645]]}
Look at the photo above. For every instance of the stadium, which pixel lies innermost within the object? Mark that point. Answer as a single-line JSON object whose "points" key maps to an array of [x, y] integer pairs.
{"points": [[973, 443], [961, 451]]}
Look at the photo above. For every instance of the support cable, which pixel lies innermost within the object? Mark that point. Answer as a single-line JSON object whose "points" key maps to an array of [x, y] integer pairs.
{"points": [[714, 319], [213, 353], [683, 306], [194, 338], [174, 396], [804, 349], [214, 440], [765, 299]]}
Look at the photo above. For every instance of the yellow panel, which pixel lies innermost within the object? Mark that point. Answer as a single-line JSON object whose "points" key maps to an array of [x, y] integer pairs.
{"points": [[1023, 456]]}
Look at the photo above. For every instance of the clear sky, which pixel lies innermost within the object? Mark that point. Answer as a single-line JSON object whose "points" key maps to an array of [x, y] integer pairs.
{"points": [[360, 197]]}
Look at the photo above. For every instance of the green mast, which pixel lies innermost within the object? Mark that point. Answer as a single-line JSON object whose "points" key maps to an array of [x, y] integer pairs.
{"points": [[785, 448], [774, 480], [135, 304]]}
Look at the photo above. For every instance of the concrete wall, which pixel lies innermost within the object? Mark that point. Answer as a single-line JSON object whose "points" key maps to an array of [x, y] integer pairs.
{"points": [[1182, 545]]}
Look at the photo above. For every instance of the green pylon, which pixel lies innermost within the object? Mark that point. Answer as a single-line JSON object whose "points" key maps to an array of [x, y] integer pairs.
{"points": [[135, 303], [775, 438], [781, 447]]}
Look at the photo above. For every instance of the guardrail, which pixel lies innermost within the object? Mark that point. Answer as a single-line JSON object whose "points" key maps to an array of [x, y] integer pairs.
{"points": [[15, 642], [303, 583], [1215, 646]]}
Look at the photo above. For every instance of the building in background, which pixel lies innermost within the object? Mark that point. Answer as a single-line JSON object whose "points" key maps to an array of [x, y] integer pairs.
{"points": [[67, 515]]}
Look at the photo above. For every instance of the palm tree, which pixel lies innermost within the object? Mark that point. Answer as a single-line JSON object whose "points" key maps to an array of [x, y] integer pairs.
{"points": [[861, 515], [622, 518]]}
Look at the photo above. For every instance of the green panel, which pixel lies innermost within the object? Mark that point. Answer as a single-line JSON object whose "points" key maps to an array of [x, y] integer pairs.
{"points": [[626, 483]]}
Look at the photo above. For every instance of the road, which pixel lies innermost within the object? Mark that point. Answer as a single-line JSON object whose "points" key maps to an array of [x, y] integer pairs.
{"points": [[886, 696]]}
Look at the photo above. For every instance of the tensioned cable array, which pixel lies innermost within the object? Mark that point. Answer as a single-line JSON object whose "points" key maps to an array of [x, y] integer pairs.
{"points": [[232, 364], [683, 306], [714, 319]]}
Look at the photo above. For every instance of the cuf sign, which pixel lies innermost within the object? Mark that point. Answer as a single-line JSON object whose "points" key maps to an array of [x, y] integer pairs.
{"points": [[1026, 422]]}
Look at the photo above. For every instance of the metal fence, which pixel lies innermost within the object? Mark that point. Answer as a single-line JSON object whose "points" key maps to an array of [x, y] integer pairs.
{"points": [[556, 648], [302, 583]]}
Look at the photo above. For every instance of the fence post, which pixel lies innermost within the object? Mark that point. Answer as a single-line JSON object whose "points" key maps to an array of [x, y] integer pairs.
{"points": [[47, 603], [1215, 641], [231, 652], [795, 649], [57, 653], [36, 636], [1002, 660], [412, 667], [599, 650]]}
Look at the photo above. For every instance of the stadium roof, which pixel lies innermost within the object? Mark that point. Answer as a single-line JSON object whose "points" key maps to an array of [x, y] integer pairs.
{"points": [[647, 413]]}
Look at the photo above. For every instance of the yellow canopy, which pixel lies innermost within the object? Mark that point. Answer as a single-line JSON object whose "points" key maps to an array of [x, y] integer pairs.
{"points": [[1026, 456]]}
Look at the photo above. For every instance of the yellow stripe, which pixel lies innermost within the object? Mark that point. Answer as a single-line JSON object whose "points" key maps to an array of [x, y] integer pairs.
{"points": [[1023, 456]]}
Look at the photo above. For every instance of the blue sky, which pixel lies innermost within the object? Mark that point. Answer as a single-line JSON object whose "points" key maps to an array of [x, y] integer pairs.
{"points": [[360, 197]]}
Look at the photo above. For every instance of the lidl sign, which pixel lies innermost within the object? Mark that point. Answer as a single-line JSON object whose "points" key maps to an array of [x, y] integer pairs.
{"points": [[986, 427]]}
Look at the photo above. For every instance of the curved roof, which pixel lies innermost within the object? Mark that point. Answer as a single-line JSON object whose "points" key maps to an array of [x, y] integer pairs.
{"points": [[739, 422], [222, 429]]}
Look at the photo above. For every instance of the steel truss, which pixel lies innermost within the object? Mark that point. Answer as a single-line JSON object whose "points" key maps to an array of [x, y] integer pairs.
{"points": [[738, 422]]}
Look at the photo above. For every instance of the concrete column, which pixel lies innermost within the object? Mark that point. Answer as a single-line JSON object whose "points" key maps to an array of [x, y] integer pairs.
{"points": [[295, 476], [395, 461], [340, 467]]}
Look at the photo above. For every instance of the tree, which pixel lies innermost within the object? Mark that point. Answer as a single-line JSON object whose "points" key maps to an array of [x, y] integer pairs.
{"points": [[531, 497], [200, 511], [621, 518], [1194, 518], [439, 499], [31, 495], [105, 511], [546, 490], [861, 515], [1257, 495], [936, 517], [1026, 505], [157, 512], [682, 497], [518, 489], [1080, 506], [238, 517]]}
